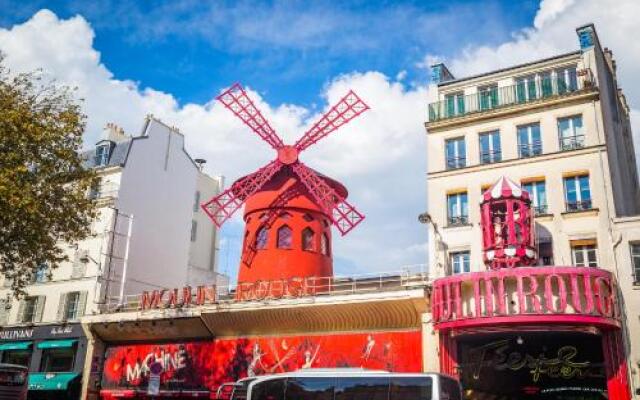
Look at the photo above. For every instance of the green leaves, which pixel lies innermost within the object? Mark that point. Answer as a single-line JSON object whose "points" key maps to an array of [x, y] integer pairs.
{"points": [[43, 184]]}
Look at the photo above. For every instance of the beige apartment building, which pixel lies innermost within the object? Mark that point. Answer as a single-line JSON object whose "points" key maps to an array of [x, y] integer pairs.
{"points": [[560, 128]]}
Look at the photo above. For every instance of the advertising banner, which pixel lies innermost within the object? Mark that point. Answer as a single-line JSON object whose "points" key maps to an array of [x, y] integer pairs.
{"points": [[204, 365]]}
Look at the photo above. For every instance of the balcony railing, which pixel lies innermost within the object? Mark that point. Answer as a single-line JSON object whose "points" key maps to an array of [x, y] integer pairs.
{"points": [[575, 206], [494, 98], [571, 142], [456, 162], [488, 157], [540, 210], [459, 220], [530, 149]]}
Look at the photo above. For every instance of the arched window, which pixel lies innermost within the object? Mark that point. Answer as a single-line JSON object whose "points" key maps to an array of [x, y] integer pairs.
{"points": [[284, 237], [324, 245], [308, 240], [261, 238], [307, 217]]}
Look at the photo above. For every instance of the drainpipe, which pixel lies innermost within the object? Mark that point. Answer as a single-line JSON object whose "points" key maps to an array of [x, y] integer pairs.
{"points": [[125, 262]]}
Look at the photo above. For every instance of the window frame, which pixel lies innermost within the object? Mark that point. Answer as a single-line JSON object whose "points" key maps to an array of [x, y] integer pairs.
{"points": [[455, 161], [305, 239], [535, 196], [533, 146], [102, 154], [579, 204], [584, 250], [635, 261], [462, 207], [280, 237], [576, 139], [465, 263], [495, 155]]}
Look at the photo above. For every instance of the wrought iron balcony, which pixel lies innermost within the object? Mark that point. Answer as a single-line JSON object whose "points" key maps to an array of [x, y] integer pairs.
{"points": [[530, 149], [513, 95], [572, 142], [575, 206], [540, 210], [458, 220], [488, 157], [456, 162]]}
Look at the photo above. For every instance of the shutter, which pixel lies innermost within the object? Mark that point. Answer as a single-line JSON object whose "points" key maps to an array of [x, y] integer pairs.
{"points": [[62, 305], [39, 308], [82, 304], [4, 314], [79, 267], [21, 307]]}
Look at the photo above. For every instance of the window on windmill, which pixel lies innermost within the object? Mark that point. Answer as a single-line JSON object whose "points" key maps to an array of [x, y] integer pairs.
{"points": [[284, 215], [261, 238], [307, 217], [308, 240], [284, 237], [324, 245]]}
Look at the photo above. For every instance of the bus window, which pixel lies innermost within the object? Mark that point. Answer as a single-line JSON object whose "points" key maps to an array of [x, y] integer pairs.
{"points": [[411, 388], [362, 388], [272, 389], [310, 388], [449, 389]]}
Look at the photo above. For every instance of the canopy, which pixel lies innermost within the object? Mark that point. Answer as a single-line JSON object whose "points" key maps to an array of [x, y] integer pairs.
{"points": [[505, 187], [15, 346], [50, 380], [56, 344]]}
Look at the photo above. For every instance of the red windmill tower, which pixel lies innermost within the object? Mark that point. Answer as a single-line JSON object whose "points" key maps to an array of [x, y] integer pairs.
{"points": [[289, 207]]}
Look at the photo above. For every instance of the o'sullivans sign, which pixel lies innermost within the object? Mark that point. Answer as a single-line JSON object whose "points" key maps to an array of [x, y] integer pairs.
{"points": [[525, 294]]}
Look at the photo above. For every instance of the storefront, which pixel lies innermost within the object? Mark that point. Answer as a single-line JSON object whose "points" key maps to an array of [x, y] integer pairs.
{"points": [[54, 355], [532, 333]]}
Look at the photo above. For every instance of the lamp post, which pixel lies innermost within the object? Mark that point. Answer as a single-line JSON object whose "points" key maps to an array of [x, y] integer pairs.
{"points": [[425, 218]]}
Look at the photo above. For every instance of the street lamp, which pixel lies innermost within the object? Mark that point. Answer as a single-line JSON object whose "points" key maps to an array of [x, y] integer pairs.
{"points": [[425, 218]]}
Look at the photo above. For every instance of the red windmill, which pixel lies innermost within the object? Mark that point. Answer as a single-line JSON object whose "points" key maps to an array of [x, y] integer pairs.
{"points": [[289, 207]]}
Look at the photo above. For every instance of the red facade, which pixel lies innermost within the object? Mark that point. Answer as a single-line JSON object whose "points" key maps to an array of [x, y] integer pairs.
{"points": [[202, 366]]}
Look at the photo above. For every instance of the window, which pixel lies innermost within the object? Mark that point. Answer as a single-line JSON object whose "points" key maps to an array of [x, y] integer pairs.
{"points": [[102, 155], [17, 357], [360, 388], [31, 309], [490, 147], [570, 133], [545, 251], [455, 153], [194, 230], [460, 262], [58, 359], [584, 255], [529, 142], [566, 80], [261, 238], [412, 388], [546, 84], [458, 209], [488, 97], [284, 237], [310, 388], [42, 274], [196, 202], [449, 388], [324, 245], [72, 305], [308, 239], [454, 103], [577, 193], [538, 194], [526, 89], [635, 262]]}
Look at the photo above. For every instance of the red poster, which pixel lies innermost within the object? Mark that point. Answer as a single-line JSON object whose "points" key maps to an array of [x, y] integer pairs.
{"points": [[207, 364]]}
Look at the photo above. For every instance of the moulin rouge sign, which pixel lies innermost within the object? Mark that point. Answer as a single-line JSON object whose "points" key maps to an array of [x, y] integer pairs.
{"points": [[261, 290], [469, 299]]}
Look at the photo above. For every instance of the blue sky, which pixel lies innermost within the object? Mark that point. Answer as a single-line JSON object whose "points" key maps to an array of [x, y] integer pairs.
{"points": [[172, 58], [287, 50]]}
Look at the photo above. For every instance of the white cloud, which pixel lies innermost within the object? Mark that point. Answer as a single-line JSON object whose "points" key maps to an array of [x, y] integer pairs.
{"points": [[379, 156]]}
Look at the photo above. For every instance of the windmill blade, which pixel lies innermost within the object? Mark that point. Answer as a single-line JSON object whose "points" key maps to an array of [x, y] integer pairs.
{"points": [[236, 100], [343, 215], [221, 207], [349, 107]]}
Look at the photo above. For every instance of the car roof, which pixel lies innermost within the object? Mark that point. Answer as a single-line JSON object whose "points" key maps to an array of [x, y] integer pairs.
{"points": [[343, 372], [13, 367]]}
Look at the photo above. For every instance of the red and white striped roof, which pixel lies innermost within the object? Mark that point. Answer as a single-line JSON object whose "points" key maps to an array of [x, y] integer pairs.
{"points": [[504, 188]]}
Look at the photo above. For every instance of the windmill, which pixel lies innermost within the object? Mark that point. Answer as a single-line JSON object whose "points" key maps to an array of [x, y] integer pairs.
{"points": [[289, 206]]}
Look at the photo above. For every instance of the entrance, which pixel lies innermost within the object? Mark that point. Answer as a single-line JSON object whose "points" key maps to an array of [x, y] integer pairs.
{"points": [[532, 366]]}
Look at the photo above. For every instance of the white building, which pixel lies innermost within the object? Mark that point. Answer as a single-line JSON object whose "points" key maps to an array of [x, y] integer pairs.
{"points": [[151, 182], [560, 127]]}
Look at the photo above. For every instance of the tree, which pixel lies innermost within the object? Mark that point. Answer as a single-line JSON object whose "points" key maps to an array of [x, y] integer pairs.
{"points": [[43, 185]]}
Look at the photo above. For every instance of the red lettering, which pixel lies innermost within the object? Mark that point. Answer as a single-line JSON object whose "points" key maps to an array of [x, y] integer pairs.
{"points": [[149, 301], [604, 294], [549, 295], [523, 295]]}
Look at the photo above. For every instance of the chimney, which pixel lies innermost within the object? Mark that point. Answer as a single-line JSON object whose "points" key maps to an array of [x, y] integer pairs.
{"points": [[113, 133]]}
